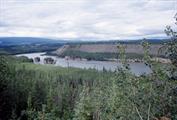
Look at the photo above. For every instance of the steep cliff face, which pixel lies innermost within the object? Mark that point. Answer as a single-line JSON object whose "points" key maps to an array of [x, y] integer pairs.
{"points": [[61, 49], [106, 48]]}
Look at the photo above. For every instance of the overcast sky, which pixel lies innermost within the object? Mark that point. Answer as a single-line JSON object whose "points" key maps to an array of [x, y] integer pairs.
{"points": [[86, 19]]}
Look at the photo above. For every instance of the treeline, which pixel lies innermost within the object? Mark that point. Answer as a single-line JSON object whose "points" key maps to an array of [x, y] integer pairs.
{"points": [[28, 48], [139, 41], [100, 56], [27, 88], [89, 56]]}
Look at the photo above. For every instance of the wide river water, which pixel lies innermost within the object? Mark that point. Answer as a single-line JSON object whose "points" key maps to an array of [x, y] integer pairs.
{"points": [[136, 68]]}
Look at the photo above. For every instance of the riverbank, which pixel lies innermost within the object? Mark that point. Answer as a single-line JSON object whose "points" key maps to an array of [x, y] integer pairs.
{"points": [[84, 56]]}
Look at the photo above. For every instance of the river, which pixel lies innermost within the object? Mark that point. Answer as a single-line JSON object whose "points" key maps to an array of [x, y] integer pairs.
{"points": [[135, 68]]}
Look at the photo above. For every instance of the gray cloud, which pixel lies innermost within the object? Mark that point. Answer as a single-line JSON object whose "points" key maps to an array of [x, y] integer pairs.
{"points": [[86, 19], [3, 24]]}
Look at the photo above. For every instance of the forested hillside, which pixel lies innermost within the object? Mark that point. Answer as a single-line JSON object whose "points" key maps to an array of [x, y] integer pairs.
{"points": [[36, 92]]}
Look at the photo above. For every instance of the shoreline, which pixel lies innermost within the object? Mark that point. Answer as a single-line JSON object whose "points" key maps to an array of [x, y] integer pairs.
{"points": [[137, 60]]}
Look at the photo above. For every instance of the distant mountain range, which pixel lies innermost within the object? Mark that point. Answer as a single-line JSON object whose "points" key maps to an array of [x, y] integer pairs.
{"points": [[8, 41]]}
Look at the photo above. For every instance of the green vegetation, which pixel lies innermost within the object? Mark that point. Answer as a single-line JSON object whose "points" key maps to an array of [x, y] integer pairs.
{"points": [[36, 82], [28, 48], [39, 92], [98, 56], [49, 93], [36, 92]]}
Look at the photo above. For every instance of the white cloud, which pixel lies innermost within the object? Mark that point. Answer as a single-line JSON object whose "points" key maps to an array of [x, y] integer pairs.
{"points": [[86, 19]]}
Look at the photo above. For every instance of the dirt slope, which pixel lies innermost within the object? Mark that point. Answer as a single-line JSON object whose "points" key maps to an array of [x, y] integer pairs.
{"points": [[108, 48]]}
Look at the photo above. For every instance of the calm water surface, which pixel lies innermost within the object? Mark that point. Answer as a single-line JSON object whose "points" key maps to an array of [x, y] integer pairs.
{"points": [[136, 68]]}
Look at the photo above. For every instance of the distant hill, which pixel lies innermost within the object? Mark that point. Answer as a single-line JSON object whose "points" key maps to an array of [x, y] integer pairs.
{"points": [[7, 41], [132, 46], [15, 45], [107, 48], [152, 41]]}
